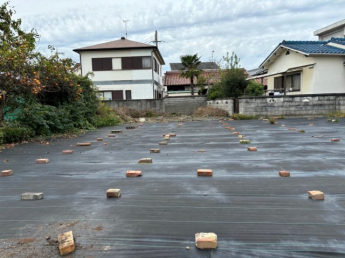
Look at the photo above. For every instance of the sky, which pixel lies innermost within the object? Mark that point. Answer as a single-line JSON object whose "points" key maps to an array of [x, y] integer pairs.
{"points": [[209, 28]]}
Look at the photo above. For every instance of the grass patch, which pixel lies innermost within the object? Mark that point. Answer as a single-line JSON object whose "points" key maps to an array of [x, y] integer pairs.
{"points": [[337, 114], [210, 111]]}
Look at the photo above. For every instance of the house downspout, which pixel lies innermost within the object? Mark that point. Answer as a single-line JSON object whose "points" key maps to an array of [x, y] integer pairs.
{"points": [[153, 78]]}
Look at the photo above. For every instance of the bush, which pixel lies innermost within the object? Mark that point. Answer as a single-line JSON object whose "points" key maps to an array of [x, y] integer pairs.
{"points": [[272, 120], [105, 116], [10, 134], [255, 89], [210, 111], [243, 117], [214, 92]]}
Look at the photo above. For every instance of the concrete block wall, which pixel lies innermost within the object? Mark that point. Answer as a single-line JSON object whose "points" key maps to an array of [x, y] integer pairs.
{"points": [[184, 105], [179, 105], [296, 105], [225, 104]]}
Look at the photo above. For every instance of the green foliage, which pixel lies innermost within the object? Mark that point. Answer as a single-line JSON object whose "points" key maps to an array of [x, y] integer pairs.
{"points": [[232, 77], [272, 120], [338, 114], [105, 116], [254, 89], [243, 117], [14, 132], [214, 92], [190, 68]]}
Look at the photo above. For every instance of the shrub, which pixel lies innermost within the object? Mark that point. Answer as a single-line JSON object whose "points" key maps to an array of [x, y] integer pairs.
{"points": [[272, 120], [210, 111], [214, 92], [105, 116], [14, 132], [254, 89], [243, 117]]}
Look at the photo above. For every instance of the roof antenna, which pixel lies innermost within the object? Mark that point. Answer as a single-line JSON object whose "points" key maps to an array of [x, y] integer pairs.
{"points": [[125, 22]]}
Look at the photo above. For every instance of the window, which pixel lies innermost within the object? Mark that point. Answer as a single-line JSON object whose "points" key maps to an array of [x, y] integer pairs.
{"points": [[293, 83], [117, 95], [102, 64], [104, 95], [136, 62], [156, 66], [128, 94]]}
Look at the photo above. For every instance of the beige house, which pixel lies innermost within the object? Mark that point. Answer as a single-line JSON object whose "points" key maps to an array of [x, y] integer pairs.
{"points": [[124, 69], [305, 67]]}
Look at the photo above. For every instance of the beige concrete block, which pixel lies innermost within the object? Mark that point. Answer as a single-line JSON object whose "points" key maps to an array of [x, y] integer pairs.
{"points": [[240, 136], [235, 133], [335, 140], [163, 143], [206, 240], [167, 137], [99, 139], [155, 150], [32, 196], [133, 173], [252, 149], [311, 124], [42, 161], [66, 243], [145, 161], [316, 195], [172, 134], [232, 129], [111, 135], [113, 193], [284, 173], [204, 172], [291, 129], [67, 152], [6, 172], [282, 125], [84, 144]]}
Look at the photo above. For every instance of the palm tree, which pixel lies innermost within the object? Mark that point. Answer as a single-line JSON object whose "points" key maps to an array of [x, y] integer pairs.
{"points": [[190, 68]]}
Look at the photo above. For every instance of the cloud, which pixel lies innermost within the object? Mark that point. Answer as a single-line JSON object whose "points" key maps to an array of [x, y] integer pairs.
{"points": [[249, 28]]}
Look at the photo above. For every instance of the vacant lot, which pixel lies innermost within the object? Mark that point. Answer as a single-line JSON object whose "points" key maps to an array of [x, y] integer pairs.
{"points": [[253, 211]]}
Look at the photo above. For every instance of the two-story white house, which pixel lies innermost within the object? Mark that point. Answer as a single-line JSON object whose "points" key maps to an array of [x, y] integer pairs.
{"points": [[124, 69]]}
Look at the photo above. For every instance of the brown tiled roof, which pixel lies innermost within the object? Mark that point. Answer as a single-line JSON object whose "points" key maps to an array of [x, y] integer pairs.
{"points": [[172, 78], [116, 44]]}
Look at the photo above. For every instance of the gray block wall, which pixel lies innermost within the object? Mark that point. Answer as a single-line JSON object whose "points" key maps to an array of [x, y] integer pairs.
{"points": [[179, 105], [292, 105], [225, 104]]}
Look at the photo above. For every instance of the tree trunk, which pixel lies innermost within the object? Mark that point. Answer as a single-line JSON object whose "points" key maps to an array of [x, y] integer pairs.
{"points": [[192, 85], [2, 105]]}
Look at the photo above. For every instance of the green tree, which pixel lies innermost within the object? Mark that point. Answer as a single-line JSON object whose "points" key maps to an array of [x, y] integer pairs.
{"points": [[190, 68], [232, 80], [254, 89]]}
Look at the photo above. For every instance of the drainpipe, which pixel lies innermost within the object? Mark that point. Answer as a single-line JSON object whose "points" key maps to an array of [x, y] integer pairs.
{"points": [[153, 78]]}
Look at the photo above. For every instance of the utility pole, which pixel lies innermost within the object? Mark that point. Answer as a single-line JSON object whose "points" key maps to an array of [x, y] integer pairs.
{"points": [[125, 22], [156, 39]]}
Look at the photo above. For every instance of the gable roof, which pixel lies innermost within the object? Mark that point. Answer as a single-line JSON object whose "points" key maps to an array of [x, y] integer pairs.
{"points": [[172, 78], [310, 48], [120, 44], [203, 66]]}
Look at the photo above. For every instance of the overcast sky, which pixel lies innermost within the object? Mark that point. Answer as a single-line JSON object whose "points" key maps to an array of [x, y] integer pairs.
{"points": [[250, 28]]}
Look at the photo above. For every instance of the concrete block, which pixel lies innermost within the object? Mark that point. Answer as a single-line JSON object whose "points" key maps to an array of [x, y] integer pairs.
{"points": [[244, 141], [179, 125], [235, 133], [232, 129], [335, 140], [99, 139], [167, 137], [111, 135], [142, 119], [6, 173], [42, 161], [284, 173], [172, 134], [113, 193], [204, 172], [84, 144], [155, 150], [32, 196], [66, 243], [240, 136], [145, 161], [316, 195], [311, 124], [133, 173], [252, 149], [67, 152], [116, 131], [163, 143], [131, 127], [282, 125], [206, 240], [291, 129]]}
